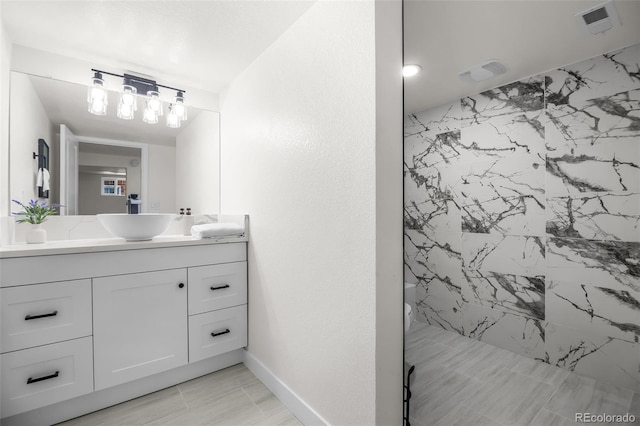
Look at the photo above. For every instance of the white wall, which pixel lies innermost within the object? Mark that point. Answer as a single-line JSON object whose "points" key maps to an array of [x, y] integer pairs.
{"points": [[5, 67], [389, 212], [161, 173], [5, 71], [29, 122], [197, 159], [299, 155]]}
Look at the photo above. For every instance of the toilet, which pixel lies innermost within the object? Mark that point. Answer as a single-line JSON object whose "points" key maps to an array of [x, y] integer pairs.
{"points": [[409, 305]]}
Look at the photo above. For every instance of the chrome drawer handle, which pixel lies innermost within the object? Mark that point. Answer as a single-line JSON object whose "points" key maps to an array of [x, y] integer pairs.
{"points": [[226, 331], [32, 317], [39, 379], [219, 287]]}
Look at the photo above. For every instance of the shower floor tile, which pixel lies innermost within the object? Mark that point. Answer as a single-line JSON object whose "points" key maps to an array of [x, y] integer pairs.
{"points": [[462, 381]]}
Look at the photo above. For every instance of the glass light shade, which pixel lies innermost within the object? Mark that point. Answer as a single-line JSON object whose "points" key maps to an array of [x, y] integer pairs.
{"points": [[97, 97], [127, 105], [153, 102], [173, 120], [149, 115], [178, 108]]}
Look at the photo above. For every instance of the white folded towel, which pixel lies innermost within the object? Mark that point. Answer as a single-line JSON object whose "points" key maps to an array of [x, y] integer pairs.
{"points": [[43, 179], [212, 230]]}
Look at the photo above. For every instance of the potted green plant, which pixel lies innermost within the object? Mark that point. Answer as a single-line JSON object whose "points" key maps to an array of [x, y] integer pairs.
{"points": [[35, 213]]}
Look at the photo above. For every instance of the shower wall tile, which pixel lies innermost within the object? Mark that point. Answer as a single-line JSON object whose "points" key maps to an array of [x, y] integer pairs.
{"points": [[505, 254], [611, 167], [502, 177], [594, 355], [428, 182], [499, 105], [515, 333], [612, 264], [524, 296], [442, 215], [603, 310], [522, 215], [437, 150], [440, 303], [433, 121], [603, 75], [606, 119], [597, 216], [429, 255], [514, 134], [529, 183]]}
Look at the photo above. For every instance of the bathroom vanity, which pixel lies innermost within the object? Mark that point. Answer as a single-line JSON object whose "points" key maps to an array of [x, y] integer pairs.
{"points": [[86, 325]]}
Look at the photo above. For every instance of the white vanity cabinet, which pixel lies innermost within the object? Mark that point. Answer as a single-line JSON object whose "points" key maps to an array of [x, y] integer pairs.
{"points": [[122, 322]]}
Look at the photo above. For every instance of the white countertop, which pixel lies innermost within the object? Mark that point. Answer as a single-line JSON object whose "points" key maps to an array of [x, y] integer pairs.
{"points": [[108, 244]]}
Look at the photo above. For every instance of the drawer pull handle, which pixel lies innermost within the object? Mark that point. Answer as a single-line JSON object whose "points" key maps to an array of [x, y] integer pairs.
{"points": [[39, 379], [226, 331], [32, 317], [219, 287]]}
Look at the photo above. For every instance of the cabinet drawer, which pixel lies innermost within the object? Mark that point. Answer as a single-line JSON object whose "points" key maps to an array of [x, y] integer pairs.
{"points": [[35, 315], [217, 286], [214, 333], [33, 378]]}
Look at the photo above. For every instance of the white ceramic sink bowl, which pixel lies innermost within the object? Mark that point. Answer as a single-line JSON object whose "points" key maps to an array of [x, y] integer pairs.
{"points": [[136, 227]]}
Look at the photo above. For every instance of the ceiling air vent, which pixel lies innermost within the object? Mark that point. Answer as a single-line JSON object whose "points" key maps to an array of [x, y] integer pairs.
{"points": [[599, 19], [483, 71]]}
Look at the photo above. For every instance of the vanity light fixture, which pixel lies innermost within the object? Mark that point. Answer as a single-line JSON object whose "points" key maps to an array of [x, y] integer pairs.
{"points": [[97, 95], [131, 88]]}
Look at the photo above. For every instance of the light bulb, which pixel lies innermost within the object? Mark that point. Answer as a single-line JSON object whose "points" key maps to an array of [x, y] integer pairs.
{"points": [[411, 70], [149, 116], [97, 99], [153, 102], [127, 105], [178, 108], [173, 120], [97, 94]]}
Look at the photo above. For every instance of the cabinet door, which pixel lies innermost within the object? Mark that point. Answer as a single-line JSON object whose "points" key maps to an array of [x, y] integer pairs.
{"points": [[140, 325]]}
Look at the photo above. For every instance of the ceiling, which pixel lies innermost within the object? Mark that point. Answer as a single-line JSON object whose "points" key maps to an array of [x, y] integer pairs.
{"points": [[202, 44], [528, 36], [206, 44]]}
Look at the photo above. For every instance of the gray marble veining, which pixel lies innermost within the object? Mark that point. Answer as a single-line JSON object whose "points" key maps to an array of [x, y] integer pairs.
{"points": [[522, 217]]}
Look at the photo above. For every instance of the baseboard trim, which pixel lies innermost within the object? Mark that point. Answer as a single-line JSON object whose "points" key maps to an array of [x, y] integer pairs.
{"points": [[307, 415]]}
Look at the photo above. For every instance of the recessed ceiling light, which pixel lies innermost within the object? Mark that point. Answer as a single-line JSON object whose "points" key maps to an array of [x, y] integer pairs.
{"points": [[411, 70]]}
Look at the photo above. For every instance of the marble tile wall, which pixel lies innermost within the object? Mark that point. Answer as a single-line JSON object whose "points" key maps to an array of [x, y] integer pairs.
{"points": [[522, 216]]}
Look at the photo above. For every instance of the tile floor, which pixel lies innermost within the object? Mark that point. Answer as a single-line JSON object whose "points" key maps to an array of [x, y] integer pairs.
{"points": [[233, 396], [462, 381]]}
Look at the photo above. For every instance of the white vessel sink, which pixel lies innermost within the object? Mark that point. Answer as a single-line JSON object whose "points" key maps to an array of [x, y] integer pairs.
{"points": [[136, 227]]}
